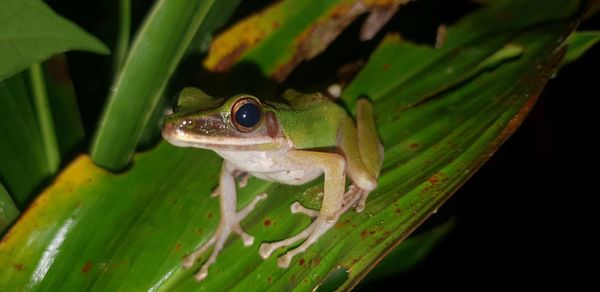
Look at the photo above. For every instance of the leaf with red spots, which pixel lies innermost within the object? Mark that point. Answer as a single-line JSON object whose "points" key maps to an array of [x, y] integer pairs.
{"points": [[441, 113], [277, 39]]}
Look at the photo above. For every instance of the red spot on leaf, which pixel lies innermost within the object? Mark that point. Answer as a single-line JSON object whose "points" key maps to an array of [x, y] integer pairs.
{"points": [[19, 266], [209, 215], [301, 262], [434, 179], [269, 279], [267, 222], [414, 146], [178, 246], [386, 66], [86, 267], [364, 233]]}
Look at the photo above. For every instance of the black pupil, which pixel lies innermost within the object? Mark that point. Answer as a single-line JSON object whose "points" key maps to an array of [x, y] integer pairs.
{"points": [[248, 115]]}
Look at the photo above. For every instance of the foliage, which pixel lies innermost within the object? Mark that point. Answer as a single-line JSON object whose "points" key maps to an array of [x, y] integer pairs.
{"points": [[441, 113]]}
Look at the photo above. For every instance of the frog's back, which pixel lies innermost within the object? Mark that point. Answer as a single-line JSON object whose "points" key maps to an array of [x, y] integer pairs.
{"points": [[299, 100], [312, 120]]}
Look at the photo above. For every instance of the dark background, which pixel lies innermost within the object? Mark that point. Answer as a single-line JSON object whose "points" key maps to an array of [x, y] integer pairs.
{"points": [[523, 221]]}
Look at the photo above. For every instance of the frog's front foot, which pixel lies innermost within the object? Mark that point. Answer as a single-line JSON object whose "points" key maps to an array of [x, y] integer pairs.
{"points": [[229, 223], [312, 233]]}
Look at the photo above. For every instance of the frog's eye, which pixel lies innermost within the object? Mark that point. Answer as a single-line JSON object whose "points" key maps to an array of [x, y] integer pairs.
{"points": [[246, 114]]}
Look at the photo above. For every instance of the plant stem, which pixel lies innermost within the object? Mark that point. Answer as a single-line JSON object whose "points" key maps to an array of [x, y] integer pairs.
{"points": [[122, 44], [44, 116]]}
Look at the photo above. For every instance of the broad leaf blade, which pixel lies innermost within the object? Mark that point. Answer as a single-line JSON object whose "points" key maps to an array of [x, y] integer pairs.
{"points": [[24, 158], [8, 210], [23, 164], [158, 47], [431, 157], [63, 101], [31, 32], [470, 45], [95, 230], [288, 32], [579, 43]]}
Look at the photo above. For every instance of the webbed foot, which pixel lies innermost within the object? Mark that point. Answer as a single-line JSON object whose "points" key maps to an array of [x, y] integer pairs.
{"points": [[312, 233], [354, 197]]}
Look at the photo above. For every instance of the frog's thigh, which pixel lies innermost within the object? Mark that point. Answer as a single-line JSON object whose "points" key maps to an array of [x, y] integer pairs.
{"points": [[356, 168], [369, 144], [333, 166]]}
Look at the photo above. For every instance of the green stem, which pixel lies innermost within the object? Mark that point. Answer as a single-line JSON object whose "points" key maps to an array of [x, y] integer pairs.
{"points": [[44, 116], [122, 44]]}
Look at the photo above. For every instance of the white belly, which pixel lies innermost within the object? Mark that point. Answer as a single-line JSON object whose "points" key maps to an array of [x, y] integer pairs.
{"points": [[272, 166]]}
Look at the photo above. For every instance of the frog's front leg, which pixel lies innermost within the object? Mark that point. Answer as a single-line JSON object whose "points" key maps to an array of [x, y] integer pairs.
{"points": [[230, 221], [333, 166], [240, 176]]}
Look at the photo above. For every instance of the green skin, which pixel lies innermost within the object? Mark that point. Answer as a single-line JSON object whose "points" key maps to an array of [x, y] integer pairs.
{"points": [[295, 141]]}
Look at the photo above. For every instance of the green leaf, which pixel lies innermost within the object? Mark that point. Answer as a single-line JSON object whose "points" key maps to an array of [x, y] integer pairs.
{"points": [[288, 32], [23, 163], [92, 229], [579, 43], [8, 210], [158, 47], [411, 252], [469, 49], [27, 160], [63, 102], [31, 32]]}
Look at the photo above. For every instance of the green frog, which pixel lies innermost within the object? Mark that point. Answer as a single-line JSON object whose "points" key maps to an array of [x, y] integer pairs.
{"points": [[294, 141]]}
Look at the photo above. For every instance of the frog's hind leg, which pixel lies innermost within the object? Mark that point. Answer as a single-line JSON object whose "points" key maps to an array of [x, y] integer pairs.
{"points": [[333, 166], [364, 154], [230, 221]]}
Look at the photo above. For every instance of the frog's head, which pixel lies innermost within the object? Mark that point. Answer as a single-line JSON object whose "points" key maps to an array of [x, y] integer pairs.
{"points": [[238, 123]]}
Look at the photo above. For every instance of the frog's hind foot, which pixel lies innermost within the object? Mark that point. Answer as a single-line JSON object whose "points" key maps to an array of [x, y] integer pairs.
{"points": [[226, 226], [312, 233], [355, 197], [296, 208]]}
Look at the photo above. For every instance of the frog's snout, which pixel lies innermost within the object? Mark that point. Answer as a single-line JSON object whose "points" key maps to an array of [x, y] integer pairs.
{"points": [[168, 130]]}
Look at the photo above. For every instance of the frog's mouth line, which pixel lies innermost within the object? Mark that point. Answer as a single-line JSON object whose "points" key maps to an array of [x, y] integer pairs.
{"points": [[181, 139]]}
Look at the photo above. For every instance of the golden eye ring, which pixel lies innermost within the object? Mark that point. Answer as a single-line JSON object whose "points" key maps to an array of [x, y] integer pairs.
{"points": [[246, 114]]}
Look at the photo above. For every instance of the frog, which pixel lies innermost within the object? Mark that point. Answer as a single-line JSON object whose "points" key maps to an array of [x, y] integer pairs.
{"points": [[292, 140]]}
